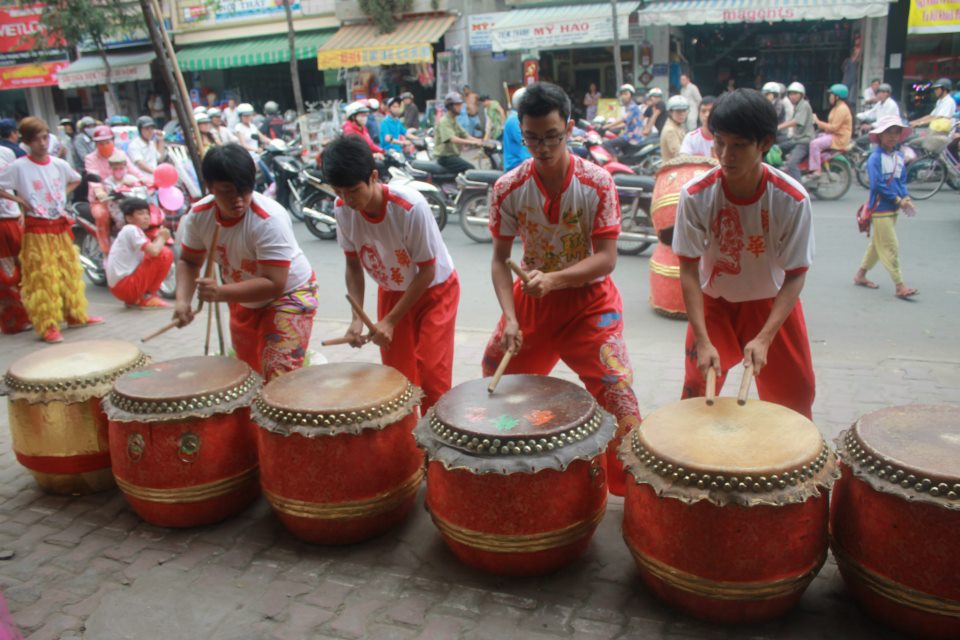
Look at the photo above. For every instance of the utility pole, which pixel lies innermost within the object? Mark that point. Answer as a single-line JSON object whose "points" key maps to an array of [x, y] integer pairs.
{"points": [[294, 72], [617, 62]]}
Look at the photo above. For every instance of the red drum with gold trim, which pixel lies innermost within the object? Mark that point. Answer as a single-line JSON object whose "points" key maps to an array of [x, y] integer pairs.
{"points": [[516, 481], [181, 439], [895, 517], [337, 461], [59, 429], [727, 517], [666, 297]]}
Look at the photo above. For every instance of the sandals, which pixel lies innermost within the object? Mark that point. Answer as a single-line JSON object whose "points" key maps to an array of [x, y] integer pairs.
{"points": [[906, 294]]}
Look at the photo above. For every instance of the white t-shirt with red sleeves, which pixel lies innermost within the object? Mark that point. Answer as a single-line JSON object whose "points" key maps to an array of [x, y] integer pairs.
{"points": [[393, 245], [557, 232], [126, 253], [43, 185], [8, 208], [697, 143], [745, 247], [263, 235]]}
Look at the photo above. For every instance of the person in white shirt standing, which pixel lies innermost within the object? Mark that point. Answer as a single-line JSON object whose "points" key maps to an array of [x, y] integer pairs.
{"points": [[13, 317], [946, 106], [137, 265], [699, 142], [146, 150], [744, 236], [691, 92]]}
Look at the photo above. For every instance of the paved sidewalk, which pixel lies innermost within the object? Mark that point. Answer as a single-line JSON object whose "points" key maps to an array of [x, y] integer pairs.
{"points": [[88, 567]]}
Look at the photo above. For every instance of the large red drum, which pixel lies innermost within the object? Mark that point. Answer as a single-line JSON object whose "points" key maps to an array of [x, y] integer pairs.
{"points": [[338, 463], [727, 518], [516, 481], [59, 430], [181, 439], [895, 517], [666, 297]]}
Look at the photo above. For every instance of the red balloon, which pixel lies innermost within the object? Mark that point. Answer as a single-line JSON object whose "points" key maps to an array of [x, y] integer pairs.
{"points": [[165, 175]]}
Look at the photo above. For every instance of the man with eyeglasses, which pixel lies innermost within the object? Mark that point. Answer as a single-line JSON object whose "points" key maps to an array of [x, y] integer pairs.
{"points": [[566, 212]]}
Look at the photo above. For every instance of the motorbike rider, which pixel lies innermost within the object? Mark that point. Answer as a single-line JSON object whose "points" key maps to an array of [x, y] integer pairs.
{"points": [[946, 106], [147, 150], [411, 114], [674, 129], [249, 137], [802, 123], [83, 144], [884, 107], [514, 151], [272, 126], [837, 130], [631, 122], [356, 125], [450, 135], [771, 91], [654, 116], [117, 181], [392, 131], [208, 135], [98, 163], [373, 119], [222, 131]]}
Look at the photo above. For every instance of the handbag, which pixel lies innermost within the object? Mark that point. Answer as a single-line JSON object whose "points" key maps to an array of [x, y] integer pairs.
{"points": [[864, 214]]}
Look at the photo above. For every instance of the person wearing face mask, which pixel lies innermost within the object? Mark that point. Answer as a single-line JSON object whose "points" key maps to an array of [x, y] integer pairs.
{"points": [[83, 144], [98, 163], [268, 284]]}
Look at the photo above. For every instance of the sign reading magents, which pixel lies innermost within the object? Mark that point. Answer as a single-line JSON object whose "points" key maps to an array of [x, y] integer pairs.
{"points": [[228, 10]]}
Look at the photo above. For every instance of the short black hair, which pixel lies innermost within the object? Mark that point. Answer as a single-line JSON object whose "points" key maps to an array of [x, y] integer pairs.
{"points": [[230, 163], [347, 162], [130, 205], [543, 98], [708, 100], [745, 113]]}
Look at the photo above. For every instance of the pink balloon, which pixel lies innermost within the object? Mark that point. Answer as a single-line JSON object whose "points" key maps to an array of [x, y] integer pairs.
{"points": [[165, 175], [170, 198]]}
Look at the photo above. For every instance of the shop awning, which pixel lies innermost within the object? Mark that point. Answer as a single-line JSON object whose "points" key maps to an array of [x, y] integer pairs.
{"points": [[89, 71], [249, 52], [680, 12], [362, 45], [548, 27], [37, 74]]}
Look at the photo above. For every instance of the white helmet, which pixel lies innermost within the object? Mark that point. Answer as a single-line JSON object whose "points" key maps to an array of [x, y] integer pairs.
{"points": [[198, 110], [354, 108], [245, 109], [373, 103], [656, 91], [796, 87], [517, 97], [215, 113], [772, 87], [678, 103], [628, 87]]}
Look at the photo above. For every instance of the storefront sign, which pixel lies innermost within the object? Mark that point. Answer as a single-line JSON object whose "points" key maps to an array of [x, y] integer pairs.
{"points": [[480, 27], [94, 77], [19, 27], [192, 12], [558, 33], [375, 56], [934, 16], [41, 74]]}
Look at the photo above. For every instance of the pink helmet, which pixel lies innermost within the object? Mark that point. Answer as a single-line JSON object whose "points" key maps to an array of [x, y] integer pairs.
{"points": [[103, 132]]}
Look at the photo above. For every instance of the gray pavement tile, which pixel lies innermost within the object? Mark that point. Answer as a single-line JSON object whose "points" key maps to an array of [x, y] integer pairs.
{"points": [[57, 627]]}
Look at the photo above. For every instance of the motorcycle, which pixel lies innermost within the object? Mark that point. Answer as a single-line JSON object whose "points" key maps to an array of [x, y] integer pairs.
{"points": [[317, 204], [286, 167], [836, 174], [445, 179], [636, 226], [473, 203], [403, 174]]}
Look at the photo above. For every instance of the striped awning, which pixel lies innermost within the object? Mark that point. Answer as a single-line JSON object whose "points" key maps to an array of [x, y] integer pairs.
{"points": [[362, 45], [89, 71], [251, 52], [681, 12]]}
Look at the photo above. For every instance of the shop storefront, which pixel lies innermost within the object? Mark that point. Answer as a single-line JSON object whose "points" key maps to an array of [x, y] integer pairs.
{"points": [[130, 73], [28, 74], [750, 42], [933, 51]]}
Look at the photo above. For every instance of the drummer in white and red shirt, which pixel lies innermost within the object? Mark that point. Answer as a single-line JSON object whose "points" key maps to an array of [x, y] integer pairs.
{"points": [[390, 232], [744, 236], [137, 265], [699, 142], [267, 281], [566, 211]]}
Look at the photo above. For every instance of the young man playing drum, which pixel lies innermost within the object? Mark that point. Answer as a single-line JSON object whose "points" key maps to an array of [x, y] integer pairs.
{"points": [[268, 283], [568, 216], [389, 232], [745, 240]]}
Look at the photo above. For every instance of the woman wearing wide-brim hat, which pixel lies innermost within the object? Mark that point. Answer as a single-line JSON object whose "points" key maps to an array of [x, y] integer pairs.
{"points": [[888, 196]]}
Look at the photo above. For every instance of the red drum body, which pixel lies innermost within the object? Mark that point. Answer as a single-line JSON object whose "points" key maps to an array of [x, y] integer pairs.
{"points": [[59, 430], [182, 442], [666, 297], [516, 481], [727, 517], [338, 463], [896, 516]]}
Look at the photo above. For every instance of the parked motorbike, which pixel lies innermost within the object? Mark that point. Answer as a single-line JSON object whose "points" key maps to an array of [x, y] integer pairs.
{"points": [[636, 227], [446, 180], [403, 174], [473, 203], [286, 168], [318, 201]]}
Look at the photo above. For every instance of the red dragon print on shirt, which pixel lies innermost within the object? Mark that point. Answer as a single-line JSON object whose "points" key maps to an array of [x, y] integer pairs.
{"points": [[727, 231], [373, 264]]}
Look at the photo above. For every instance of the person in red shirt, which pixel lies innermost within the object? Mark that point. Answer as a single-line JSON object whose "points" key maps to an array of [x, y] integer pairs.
{"points": [[356, 125]]}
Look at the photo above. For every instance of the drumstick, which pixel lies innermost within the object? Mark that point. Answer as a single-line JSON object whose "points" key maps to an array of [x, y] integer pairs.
{"points": [[208, 270], [500, 369], [216, 311], [711, 386], [517, 270], [362, 314], [745, 385], [206, 343], [162, 330], [335, 341]]}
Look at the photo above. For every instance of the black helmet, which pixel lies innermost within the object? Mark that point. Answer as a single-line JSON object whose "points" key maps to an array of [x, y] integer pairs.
{"points": [[452, 98], [942, 83], [145, 121]]}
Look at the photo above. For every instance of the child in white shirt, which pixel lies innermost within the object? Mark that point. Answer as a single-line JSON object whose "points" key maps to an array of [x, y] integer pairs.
{"points": [[137, 266]]}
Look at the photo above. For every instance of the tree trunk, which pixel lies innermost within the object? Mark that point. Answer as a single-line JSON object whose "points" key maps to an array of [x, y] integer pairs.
{"points": [[111, 89], [617, 62], [294, 73]]}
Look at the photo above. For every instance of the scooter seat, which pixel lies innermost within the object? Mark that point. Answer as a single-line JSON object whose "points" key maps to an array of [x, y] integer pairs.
{"points": [[314, 172], [627, 181], [433, 168], [479, 175]]}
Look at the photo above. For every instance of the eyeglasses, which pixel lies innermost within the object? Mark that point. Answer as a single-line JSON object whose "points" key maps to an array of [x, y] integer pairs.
{"points": [[548, 141]]}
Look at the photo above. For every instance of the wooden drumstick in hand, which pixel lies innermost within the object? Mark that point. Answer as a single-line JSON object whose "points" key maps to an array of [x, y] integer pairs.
{"points": [[362, 314], [335, 341], [499, 372], [524, 278], [711, 386], [745, 385]]}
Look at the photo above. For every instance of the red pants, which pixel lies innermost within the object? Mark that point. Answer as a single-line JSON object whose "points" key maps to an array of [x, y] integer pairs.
{"points": [[584, 328], [146, 280], [787, 379], [422, 345], [101, 215], [13, 317]]}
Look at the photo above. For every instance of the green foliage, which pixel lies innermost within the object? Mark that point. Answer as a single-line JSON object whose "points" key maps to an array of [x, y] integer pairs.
{"points": [[383, 11], [88, 22]]}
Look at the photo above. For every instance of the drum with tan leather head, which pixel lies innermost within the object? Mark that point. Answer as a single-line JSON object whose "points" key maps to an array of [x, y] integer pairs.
{"points": [[516, 480], [727, 517], [337, 461], [181, 439], [895, 517], [59, 429]]}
